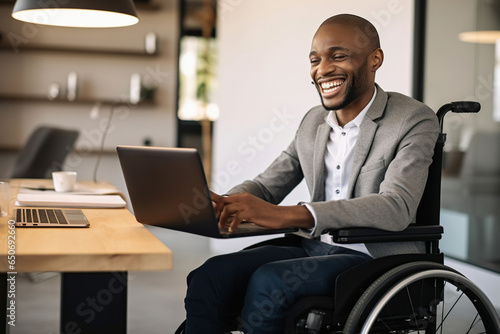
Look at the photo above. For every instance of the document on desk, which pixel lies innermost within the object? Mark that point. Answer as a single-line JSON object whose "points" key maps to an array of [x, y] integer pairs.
{"points": [[37, 187], [68, 200]]}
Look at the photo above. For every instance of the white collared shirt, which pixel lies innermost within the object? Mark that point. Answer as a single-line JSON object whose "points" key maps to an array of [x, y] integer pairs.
{"points": [[339, 158]]}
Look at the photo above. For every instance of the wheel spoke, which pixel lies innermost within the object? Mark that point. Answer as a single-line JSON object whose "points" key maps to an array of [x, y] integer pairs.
{"points": [[449, 311], [412, 309], [475, 321], [442, 309]]}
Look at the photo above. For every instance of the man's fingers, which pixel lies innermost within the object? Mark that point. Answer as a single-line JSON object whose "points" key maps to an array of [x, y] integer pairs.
{"points": [[225, 222], [230, 217], [218, 203], [225, 217], [230, 210], [218, 207], [215, 197], [234, 223]]}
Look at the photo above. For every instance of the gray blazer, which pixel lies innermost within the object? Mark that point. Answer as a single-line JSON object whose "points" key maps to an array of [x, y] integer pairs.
{"points": [[392, 155]]}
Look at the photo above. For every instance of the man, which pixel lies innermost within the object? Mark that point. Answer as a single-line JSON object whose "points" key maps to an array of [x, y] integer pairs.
{"points": [[364, 155]]}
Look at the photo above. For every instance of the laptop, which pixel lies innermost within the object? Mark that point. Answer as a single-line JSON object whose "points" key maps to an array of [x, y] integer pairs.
{"points": [[167, 188], [49, 217]]}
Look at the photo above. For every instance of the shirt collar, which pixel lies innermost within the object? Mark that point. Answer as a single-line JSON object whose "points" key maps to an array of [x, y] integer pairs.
{"points": [[331, 119]]}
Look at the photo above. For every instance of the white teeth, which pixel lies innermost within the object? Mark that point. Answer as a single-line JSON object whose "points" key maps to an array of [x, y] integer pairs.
{"points": [[331, 86]]}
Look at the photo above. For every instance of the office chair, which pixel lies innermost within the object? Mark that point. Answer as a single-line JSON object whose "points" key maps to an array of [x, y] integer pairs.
{"points": [[408, 293], [44, 152]]}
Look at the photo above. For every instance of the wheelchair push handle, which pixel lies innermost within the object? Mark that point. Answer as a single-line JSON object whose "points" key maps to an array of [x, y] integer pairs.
{"points": [[457, 107], [466, 107]]}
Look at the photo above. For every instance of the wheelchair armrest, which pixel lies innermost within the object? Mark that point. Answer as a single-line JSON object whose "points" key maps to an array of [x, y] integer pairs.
{"points": [[411, 233]]}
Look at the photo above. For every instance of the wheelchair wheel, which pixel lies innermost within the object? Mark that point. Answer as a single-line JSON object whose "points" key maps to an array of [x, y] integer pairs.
{"points": [[423, 297], [181, 328]]}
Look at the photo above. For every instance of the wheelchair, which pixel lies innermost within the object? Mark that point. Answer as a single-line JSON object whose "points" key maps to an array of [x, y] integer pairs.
{"points": [[409, 293]]}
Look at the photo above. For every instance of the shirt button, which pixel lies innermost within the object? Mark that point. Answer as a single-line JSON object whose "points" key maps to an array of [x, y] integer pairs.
{"points": [[343, 133], [337, 191], [338, 166]]}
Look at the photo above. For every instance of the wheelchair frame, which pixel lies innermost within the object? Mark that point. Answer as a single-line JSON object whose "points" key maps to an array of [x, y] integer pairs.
{"points": [[357, 307], [372, 297]]}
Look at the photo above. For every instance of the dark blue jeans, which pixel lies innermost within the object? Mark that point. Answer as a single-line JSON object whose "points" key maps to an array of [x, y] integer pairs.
{"points": [[261, 284]]}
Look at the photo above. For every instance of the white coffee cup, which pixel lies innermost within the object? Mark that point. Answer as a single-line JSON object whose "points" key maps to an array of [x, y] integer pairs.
{"points": [[64, 181]]}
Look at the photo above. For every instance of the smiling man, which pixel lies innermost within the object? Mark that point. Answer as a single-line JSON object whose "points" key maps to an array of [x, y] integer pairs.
{"points": [[364, 155], [343, 65]]}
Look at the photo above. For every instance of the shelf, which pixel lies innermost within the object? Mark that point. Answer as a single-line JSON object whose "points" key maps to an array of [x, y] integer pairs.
{"points": [[80, 50], [11, 149], [27, 98]]}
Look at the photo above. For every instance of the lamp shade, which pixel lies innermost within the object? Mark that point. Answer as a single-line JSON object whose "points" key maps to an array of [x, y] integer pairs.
{"points": [[77, 13], [480, 36], [487, 30]]}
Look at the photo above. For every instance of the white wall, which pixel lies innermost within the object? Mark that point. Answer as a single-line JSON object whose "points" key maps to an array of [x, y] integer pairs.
{"points": [[264, 83]]}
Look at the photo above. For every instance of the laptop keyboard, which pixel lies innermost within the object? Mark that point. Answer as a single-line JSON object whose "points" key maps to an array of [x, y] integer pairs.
{"points": [[42, 216]]}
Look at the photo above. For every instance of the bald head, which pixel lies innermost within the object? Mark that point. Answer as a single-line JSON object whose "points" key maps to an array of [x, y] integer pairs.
{"points": [[345, 54], [366, 35]]}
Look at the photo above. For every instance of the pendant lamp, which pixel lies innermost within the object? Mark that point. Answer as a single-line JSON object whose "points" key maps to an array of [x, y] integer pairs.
{"points": [[487, 24], [77, 13]]}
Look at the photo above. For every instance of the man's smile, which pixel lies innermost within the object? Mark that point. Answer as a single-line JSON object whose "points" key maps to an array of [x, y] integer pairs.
{"points": [[328, 88]]}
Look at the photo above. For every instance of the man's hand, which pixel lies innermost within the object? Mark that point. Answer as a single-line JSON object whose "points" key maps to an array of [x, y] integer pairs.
{"points": [[235, 209]]}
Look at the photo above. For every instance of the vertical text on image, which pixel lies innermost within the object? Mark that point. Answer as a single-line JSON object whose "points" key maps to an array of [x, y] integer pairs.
{"points": [[11, 275]]}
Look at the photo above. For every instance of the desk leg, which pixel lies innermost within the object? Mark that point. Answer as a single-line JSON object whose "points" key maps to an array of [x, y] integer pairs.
{"points": [[94, 303]]}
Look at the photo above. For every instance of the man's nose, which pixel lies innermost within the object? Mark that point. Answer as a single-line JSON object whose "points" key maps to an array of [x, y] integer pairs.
{"points": [[325, 68]]}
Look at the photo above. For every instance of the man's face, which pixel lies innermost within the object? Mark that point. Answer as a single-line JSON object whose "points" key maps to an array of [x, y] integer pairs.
{"points": [[339, 66]]}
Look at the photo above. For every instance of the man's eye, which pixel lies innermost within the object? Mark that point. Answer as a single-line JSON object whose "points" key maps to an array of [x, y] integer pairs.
{"points": [[314, 61], [339, 57]]}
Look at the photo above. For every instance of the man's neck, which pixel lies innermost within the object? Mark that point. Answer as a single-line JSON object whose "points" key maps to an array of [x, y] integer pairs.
{"points": [[347, 114]]}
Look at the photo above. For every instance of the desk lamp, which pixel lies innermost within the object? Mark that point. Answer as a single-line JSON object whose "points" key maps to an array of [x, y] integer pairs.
{"points": [[77, 13]]}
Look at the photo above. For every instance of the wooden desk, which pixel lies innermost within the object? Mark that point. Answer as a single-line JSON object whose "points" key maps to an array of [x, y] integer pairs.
{"points": [[94, 262]]}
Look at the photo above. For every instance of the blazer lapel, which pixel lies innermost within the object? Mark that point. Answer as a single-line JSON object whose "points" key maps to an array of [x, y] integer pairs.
{"points": [[366, 134], [363, 144], [319, 162]]}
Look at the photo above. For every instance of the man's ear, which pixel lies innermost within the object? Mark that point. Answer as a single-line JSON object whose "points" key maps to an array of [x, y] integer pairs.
{"points": [[377, 58]]}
